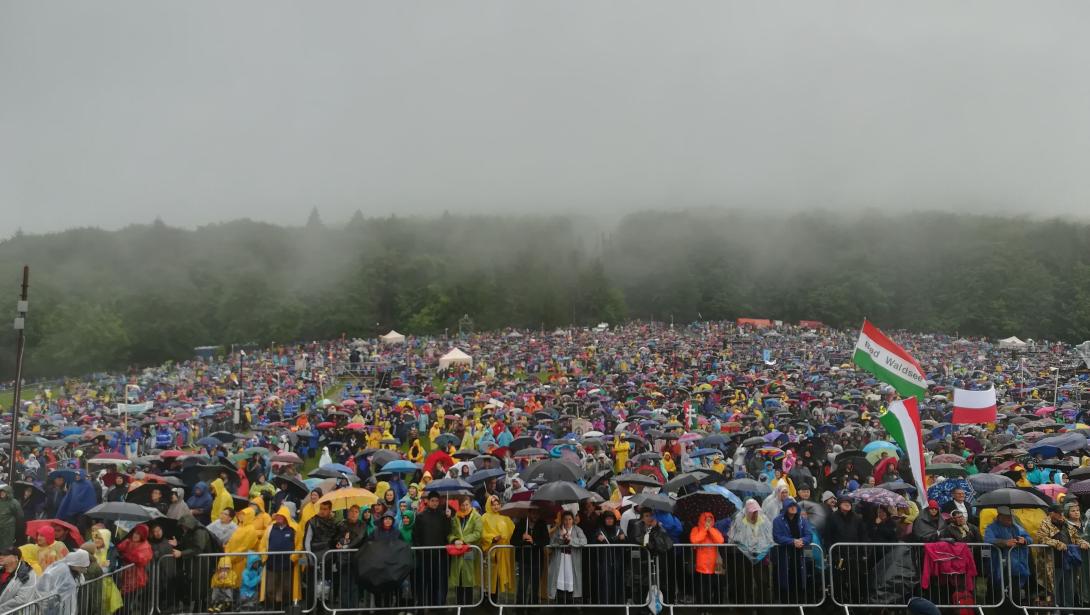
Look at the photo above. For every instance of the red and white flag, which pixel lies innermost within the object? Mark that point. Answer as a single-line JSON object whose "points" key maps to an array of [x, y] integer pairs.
{"points": [[974, 406]]}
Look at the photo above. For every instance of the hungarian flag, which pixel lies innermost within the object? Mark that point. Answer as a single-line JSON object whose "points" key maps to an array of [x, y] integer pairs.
{"points": [[974, 406], [889, 363], [902, 421]]}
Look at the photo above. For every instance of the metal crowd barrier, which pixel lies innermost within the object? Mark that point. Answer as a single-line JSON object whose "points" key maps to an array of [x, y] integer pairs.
{"points": [[429, 585], [102, 595], [714, 576], [600, 576], [47, 605], [1041, 577], [203, 584], [951, 575]]}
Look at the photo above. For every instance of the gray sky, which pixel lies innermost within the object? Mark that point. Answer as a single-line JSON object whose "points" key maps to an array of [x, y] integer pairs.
{"points": [[114, 112]]}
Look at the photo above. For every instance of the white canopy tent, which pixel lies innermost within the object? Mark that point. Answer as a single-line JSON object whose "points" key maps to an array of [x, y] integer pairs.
{"points": [[454, 357], [393, 337], [1012, 343]]}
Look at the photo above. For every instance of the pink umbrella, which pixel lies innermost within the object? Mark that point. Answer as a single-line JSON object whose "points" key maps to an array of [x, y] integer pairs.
{"points": [[1047, 410], [1052, 491], [690, 437]]}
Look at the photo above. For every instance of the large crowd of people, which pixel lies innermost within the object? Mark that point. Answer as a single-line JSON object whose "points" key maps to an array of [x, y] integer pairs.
{"points": [[704, 464]]}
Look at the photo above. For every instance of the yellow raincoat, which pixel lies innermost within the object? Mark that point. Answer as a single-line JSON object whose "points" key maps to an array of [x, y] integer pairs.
{"points": [[620, 453], [222, 499], [246, 538], [496, 529]]}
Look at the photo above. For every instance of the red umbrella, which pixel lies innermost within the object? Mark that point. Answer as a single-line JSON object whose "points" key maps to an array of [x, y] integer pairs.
{"points": [[436, 457], [109, 456], [172, 454], [66, 532], [1006, 466], [348, 403], [356, 426], [326, 425]]}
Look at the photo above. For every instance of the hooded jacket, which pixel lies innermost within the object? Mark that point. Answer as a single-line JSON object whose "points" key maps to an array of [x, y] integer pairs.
{"points": [[705, 556]]}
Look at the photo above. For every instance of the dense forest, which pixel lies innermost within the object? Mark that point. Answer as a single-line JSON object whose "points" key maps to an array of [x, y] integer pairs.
{"points": [[144, 294]]}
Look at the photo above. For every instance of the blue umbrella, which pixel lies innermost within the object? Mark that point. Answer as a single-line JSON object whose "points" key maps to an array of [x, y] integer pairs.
{"points": [[338, 467], [723, 491], [878, 445], [704, 452], [67, 431], [66, 474], [209, 442], [398, 466], [944, 492]]}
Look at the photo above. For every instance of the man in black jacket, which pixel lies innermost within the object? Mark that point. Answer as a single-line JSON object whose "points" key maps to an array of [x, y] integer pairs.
{"points": [[431, 529], [529, 539], [844, 526]]}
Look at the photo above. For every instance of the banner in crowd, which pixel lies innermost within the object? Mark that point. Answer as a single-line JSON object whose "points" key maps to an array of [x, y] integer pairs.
{"points": [[889, 363], [974, 407], [902, 421]]}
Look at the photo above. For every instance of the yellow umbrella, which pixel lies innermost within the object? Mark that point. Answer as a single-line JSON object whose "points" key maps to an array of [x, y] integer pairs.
{"points": [[349, 496]]}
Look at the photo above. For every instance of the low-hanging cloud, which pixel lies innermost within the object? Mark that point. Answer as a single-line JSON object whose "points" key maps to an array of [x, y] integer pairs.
{"points": [[120, 111]]}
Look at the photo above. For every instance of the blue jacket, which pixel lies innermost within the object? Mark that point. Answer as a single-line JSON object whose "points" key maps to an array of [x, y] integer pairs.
{"points": [[280, 539], [1018, 556], [787, 556]]}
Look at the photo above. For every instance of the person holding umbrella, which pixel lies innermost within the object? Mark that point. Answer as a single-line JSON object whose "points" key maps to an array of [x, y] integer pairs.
{"points": [[529, 538], [1011, 539]]}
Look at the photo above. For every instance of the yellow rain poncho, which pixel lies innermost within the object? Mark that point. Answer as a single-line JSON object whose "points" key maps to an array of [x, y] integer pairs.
{"points": [[496, 529], [620, 454], [246, 538], [222, 499]]}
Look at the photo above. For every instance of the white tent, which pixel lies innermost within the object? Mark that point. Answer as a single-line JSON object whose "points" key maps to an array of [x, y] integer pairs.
{"points": [[455, 357], [1012, 343], [393, 337]]}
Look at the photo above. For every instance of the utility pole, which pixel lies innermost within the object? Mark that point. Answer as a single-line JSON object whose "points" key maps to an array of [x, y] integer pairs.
{"points": [[20, 344]]}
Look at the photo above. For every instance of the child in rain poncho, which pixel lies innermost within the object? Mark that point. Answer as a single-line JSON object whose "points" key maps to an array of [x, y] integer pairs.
{"points": [[224, 582], [251, 583]]}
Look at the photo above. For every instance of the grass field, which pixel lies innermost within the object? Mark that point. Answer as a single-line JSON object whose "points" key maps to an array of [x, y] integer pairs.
{"points": [[8, 396]]}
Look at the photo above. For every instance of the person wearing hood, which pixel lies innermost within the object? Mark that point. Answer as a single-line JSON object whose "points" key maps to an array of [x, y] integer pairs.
{"points": [[280, 585], [135, 550], [54, 495], [104, 555], [496, 530], [250, 584], [45, 550], [773, 503], [566, 563], [246, 537], [465, 529], [261, 486], [705, 533], [11, 518], [193, 541], [200, 503], [177, 507], [325, 459], [17, 580], [81, 497], [405, 527], [166, 567], [930, 525], [221, 498], [752, 533], [311, 507], [118, 490], [62, 579], [793, 534]]}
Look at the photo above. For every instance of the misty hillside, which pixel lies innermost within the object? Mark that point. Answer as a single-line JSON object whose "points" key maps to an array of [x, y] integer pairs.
{"points": [[144, 294]]}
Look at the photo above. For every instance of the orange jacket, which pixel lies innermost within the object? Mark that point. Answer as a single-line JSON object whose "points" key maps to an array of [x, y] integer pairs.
{"points": [[705, 556]]}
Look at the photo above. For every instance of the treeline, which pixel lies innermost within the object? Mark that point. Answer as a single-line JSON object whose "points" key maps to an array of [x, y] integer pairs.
{"points": [[113, 299]]}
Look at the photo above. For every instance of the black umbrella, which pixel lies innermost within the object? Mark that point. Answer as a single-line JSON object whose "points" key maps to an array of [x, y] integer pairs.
{"points": [[597, 478], [383, 457], [241, 502], [561, 492], [447, 485], [122, 511], [292, 485], [383, 566], [984, 483], [688, 508], [443, 440], [481, 476], [649, 457], [549, 471], [1081, 487], [1079, 473], [898, 485], [688, 479], [632, 478], [142, 494], [466, 454], [1015, 498], [714, 440], [754, 441], [654, 501], [531, 452], [520, 443]]}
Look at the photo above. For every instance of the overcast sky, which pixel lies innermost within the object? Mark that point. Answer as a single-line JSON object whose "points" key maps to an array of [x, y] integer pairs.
{"points": [[114, 112]]}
